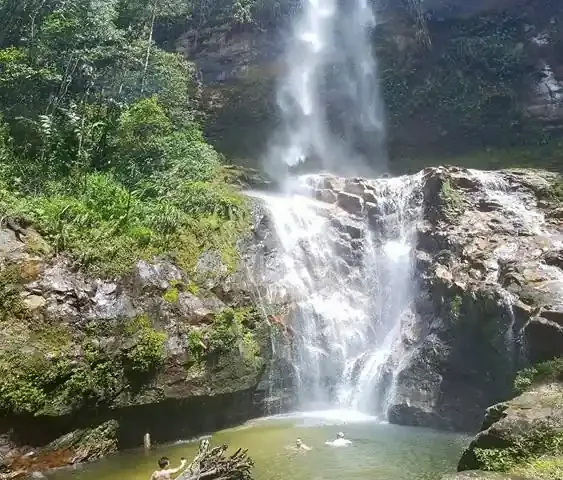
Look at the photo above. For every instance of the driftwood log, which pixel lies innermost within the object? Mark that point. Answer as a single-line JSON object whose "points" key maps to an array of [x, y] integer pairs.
{"points": [[213, 464]]}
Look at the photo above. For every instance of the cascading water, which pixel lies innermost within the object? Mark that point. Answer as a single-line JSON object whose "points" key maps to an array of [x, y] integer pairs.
{"points": [[351, 278], [349, 273], [330, 69]]}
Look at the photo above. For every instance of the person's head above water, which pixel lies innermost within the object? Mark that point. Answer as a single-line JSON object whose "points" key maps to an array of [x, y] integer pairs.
{"points": [[339, 435], [298, 442], [163, 462]]}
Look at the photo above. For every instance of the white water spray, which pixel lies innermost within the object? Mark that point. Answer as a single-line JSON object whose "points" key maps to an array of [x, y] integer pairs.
{"points": [[351, 276], [349, 273], [329, 96]]}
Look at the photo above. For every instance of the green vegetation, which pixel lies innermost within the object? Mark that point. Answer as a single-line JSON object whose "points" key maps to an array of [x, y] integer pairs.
{"points": [[57, 375], [544, 155], [527, 451], [232, 329], [171, 295], [99, 147], [545, 372], [451, 201], [196, 345], [547, 467], [455, 308], [463, 78], [11, 304]]}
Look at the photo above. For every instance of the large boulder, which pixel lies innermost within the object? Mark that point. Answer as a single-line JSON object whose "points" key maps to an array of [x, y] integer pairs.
{"points": [[517, 432], [491, 292]]}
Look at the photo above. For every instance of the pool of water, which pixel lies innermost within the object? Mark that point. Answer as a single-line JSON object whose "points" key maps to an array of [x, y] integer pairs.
{"points": [[379, 451]]}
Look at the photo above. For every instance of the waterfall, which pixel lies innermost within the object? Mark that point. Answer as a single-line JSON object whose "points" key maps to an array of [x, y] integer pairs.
{"points": [[329, 97], [345, 246], [350, 278]]}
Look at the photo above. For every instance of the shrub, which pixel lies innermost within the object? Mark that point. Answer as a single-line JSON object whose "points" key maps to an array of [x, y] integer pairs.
{"points": [[451, 200], [527, 447], [545, 372]]}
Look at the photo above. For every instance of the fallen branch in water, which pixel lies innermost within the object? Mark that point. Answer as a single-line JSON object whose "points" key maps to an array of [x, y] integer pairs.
{"points": [[213, 464]]}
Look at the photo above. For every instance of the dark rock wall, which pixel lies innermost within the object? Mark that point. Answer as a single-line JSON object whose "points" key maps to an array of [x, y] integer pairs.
{"points": [[455, 75]]}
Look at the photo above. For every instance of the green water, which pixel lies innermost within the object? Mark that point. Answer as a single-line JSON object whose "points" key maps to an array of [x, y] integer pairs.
{"points": [[379, 451]]}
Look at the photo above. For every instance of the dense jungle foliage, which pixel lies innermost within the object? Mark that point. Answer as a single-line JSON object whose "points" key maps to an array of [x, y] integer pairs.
{"points": [[100, 146], [101, 143]]}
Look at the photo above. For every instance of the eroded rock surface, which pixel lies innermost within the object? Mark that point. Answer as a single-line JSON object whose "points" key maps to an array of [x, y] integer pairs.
{"points": [[104, 358]]}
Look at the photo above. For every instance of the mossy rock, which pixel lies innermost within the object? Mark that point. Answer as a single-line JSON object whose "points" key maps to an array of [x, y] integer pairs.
{"points": [[519, 433]]}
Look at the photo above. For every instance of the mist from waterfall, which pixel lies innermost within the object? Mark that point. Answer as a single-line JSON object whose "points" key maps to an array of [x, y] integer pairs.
{"points": [[329, 97]]}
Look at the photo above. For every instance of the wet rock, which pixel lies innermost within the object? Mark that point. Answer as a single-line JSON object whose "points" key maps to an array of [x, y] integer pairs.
{"points": [[489, 273], [195, 310], [325, 195], [556, 213], [487, 205], [544, 339], [355, 187], [349, 226], [155, 275], [353, 204], [553, 314], [554, 258], [77, 446], [111, 301]]}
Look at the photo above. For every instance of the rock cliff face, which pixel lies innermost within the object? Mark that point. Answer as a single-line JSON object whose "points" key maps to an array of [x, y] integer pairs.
{"points": [[418, 44], [523, 436], [107, 359], [489, 286], [490, 297]]}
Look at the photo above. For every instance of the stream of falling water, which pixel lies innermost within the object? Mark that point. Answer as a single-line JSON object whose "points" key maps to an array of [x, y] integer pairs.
{"points": [[351, 276], [329, 97]]}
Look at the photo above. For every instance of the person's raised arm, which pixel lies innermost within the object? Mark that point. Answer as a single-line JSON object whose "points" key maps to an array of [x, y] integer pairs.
{"points": [[172, 471]]}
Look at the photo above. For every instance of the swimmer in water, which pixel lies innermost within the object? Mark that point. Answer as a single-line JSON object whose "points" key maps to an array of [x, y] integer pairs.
{"points": [[166, 473], [340, 441], [299, 445]]}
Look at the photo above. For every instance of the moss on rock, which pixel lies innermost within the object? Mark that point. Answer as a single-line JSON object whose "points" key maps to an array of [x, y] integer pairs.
{"points": [[521, 435], [49, 369]]}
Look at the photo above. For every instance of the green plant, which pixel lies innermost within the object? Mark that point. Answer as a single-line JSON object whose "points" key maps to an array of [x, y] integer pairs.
{"points": [[11, 303], [547, 467], [232, 329], [196, 345], [50, 379], [171, 295], [451, 200], [545, 372], [527, 447], [455, 307], [193, 288], [148, 353]]}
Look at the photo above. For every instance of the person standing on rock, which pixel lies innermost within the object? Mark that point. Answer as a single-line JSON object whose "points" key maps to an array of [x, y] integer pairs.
{"points": [[166, 473]]}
